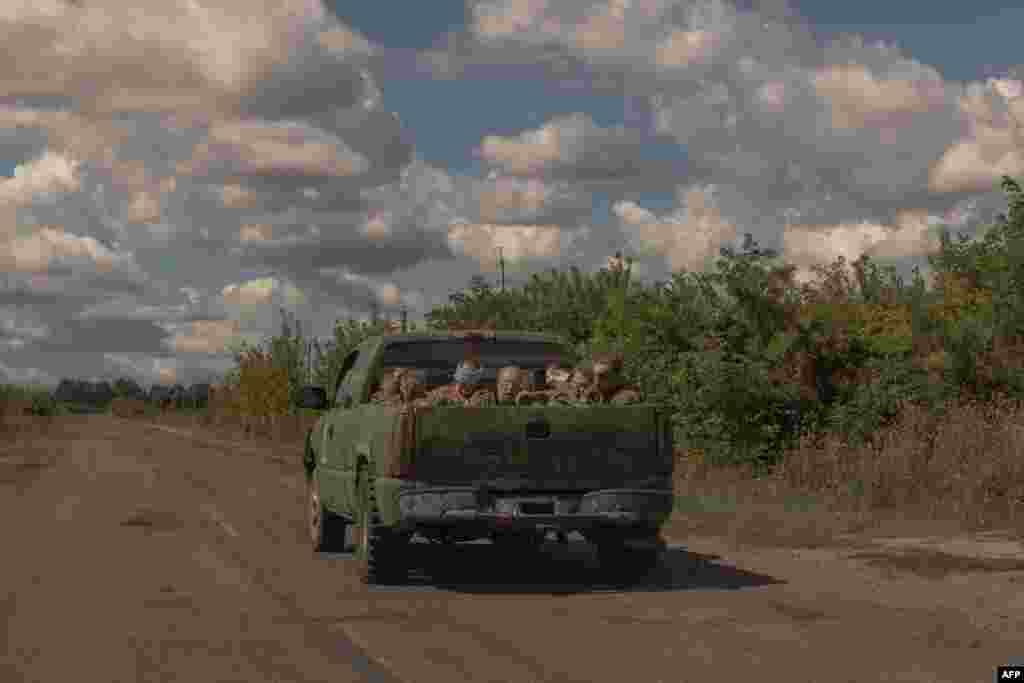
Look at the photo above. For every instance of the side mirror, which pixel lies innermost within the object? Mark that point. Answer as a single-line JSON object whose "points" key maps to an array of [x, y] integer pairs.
{"points": [[314, 398]]}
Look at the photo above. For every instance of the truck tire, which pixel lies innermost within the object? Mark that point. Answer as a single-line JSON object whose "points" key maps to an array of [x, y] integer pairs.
{"points": [[326, 530], [623, 565], [380, 551]]}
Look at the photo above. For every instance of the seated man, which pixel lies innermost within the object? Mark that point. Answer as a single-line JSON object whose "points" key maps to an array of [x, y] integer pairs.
{"points": [[412, 388], [466, 390], [511, 382], [580, 389], [387, 391], [556, 381], [611, 385]]}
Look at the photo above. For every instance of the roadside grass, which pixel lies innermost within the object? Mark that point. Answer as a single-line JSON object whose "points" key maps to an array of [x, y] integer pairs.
{"points": [[965, 465]]}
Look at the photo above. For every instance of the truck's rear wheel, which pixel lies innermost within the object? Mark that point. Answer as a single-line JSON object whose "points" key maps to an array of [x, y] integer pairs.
{"points": [[325, 529], [381, 552]]}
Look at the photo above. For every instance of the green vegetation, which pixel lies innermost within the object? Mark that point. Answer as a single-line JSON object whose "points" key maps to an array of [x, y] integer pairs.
{"points": [[37, 400], [732, 350]]}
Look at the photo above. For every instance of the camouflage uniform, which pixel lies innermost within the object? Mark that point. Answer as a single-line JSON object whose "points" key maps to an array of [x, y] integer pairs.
{"points": [[580, 388], [463, 393], [510, 384], [412, 390], [609, 383], [388, 391], [556, 382]]}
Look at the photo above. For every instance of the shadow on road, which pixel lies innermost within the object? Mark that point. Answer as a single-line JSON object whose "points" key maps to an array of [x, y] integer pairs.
{"points": [[563, 570]]}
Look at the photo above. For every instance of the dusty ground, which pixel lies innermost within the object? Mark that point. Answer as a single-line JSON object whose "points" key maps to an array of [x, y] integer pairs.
{"points": [[143, 553]]}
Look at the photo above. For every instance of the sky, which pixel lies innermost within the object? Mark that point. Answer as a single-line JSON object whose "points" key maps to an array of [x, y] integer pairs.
{"points": [[173, 173]]}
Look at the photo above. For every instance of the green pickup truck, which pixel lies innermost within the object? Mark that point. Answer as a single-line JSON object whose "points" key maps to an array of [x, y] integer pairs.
{"points": [[378, 475]]}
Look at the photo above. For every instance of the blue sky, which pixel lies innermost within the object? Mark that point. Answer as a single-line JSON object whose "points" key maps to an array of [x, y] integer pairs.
{"points": [[163, 212]]}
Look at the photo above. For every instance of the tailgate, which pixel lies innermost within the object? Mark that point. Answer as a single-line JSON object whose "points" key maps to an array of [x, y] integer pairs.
{"points": [[552, 448]]}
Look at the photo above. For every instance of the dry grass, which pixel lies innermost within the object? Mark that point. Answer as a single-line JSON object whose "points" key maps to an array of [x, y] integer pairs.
{"points": [[965, 466]]}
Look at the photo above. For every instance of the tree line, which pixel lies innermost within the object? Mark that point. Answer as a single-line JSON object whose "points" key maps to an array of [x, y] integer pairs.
{"points": [[746, 357]]}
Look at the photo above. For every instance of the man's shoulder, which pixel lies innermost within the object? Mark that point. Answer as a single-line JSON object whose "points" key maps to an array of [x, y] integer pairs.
{"points": [[629, 393]]}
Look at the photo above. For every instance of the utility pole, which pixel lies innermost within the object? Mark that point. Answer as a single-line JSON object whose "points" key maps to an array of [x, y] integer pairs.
{"points": [[501, 265]]}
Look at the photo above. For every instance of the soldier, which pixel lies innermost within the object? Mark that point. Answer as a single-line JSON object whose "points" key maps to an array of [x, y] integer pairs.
{"points": [[412, 388], [466, 390], [556, 382], [511, 383], [610, 385], [388, 391], [580, 389]]}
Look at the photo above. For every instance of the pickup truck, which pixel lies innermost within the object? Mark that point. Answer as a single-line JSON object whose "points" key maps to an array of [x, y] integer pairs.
{"points": [[378, 475]]}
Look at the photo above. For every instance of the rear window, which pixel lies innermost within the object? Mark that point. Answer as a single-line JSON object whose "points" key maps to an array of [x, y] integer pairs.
{"points": [[441, 356]]}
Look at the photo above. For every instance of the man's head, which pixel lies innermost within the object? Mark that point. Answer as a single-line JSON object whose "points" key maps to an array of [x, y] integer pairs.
{"points": [[556, 373], [469, 373], [510, 382], [608, 370]]}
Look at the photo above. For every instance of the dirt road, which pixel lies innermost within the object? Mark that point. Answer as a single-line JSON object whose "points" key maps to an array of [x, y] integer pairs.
{"points": [[136, 553]]}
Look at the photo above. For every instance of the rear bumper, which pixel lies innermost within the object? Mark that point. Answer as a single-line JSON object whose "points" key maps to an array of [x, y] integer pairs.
{"points": [[472, 511]]}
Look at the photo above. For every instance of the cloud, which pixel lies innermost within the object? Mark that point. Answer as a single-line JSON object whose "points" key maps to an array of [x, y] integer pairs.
{"points": [[49, 174], [688, 237], [18, 328], [234, 196], [144, 208], [100, 335], [207, 336], [71, 135], [52, 246], [528, 153], [261, 148], [385, 293], [913, 234], [858, 99], [261, 291], [157, 55], [343, 41], [994, 142], [518, 242], [27, 376], [575, 150], [255, 233]]}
